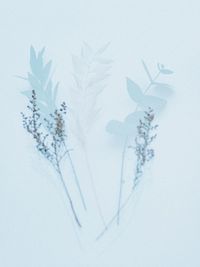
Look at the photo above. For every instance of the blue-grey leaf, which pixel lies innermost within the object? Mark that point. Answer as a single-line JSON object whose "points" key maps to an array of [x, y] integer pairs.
{"points": [[40, 60], [27, 93], [46, 71], [115, 127], [123, 129], [163, 70], [21, 77], [97, 79], [134, 90], [33, 60], [41, 53], [162, 89], [49, 92], [86, 52], [78, 64], [166, 71], [133, 118], [153, 102], [34, 83], [55, 92], [103, 60], [102, 49]]}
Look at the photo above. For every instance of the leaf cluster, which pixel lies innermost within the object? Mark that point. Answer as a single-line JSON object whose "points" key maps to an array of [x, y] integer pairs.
{"points": [[40, 80], [128, 127], [90, 72]]}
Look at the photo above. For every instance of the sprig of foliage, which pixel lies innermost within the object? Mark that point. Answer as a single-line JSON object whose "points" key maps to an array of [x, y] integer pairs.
{"points": [[40, 80], [50, 140], [128, 128], [90, 72], [46, 115], [144, 153]]}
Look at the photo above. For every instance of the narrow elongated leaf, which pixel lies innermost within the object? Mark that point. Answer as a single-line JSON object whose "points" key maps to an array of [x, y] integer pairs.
{"points": [[102, 49], [34, 83], [46, 71], [86, 52], [103, 60], [27, 93], [166, 71], [90, 74], [33, 60], [78, 64], [55, 92]]}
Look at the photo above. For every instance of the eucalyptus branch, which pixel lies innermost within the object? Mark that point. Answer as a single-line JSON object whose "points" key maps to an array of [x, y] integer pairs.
{"points": [[152, 81]]}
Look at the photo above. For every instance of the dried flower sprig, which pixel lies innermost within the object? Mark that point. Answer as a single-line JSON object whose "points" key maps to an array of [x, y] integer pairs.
{"points": [[50, 140], [143, 141], [40, 84], [144, 153]]}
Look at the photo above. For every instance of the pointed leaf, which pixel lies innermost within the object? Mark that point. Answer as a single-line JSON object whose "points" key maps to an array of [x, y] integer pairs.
{"points": [[163, 70], [55, 92], [86, 52], [166, 71], [27, 93], [102, 49], [46, 71], [78, 64]]}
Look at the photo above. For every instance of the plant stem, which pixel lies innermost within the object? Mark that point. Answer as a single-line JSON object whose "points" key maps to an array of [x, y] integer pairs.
{"points": [[151, 83], [124, 150], [93, 187], [116, 214], [121, 180], [63, 183], [68, 196], [76, 180]]}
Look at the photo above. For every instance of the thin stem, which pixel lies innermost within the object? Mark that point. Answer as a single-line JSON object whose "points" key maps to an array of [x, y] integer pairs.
{"points": [[152, 82], [121, 180], [116, 214], [76, 180], [64, 185], [93, 187], [69, 198], [124, 149]]}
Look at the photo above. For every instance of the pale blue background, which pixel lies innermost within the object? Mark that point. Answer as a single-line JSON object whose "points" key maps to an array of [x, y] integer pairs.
{"points": [[35, 230]]}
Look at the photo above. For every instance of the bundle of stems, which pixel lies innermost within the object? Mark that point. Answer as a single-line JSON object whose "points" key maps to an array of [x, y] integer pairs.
{"points": [[50, 140], [152, 100], [91, 72], [144, 153]]}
